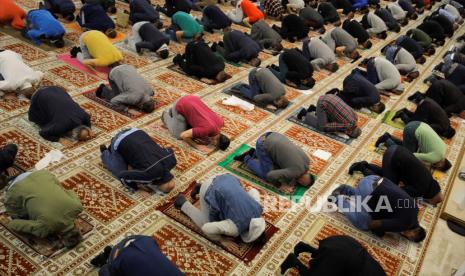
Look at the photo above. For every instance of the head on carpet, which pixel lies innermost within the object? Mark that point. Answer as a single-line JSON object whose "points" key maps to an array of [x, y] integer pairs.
{"points": [[416, 234]]}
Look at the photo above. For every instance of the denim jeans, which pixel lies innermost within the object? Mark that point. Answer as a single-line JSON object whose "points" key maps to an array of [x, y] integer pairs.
{"points": [[283, 69], [372, 75], [359, 218], [112, 160], [260, 163], [253, 88]]}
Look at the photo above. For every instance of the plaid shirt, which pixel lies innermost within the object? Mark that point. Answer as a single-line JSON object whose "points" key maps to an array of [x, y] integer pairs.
{"points": [[274, 8], [341, 117]]}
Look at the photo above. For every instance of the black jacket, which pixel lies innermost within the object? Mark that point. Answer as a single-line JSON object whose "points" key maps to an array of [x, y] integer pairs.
{"points": [[53, 109]]}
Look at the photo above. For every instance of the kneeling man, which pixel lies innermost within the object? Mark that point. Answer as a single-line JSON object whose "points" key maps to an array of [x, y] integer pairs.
{"points": [[136, 160], [40, 206]]}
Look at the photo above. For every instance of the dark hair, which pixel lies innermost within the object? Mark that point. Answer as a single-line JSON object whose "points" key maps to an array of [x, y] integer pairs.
{"points": [[111, 33], [224, 142], [310, 83], [159, 24], [222, 76], [69, 17], [59, 43], [378, 107], [447, 165], [414, 16], [396, 29], [367, 44], [404, 22], [278, 47], [112, 9], [164, 53], [420, 234], [449, 133], [421, 60], [322, 30], [71, 238], [334, 67], [382, 35], [148, 106]]}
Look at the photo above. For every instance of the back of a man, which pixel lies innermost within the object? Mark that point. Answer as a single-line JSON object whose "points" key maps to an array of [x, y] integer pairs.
{"points": [[49, 208], [204, 121]]}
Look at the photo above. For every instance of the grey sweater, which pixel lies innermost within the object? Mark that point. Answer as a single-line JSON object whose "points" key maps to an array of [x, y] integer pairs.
{"points": [[320, 53], [405, 62], [133, 88], [396, 10], [270, 87], [377, 24], [388, 75], [339, 37], [262, 33], [290, 161]]}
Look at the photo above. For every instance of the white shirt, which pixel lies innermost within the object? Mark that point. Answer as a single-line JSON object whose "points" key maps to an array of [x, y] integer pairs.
{"points": [[16, 74]]}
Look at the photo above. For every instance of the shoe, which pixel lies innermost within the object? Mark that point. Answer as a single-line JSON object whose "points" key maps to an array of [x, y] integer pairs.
{"points": [[179, 202], [74, 51], [103, 148], [242, 156], [311, 108], [302, 113], [356, 132], [214, 46], [398, 114], [99, 90], [383, 138], [357, 167], [196, 190], [416, 97], [101, 259]]}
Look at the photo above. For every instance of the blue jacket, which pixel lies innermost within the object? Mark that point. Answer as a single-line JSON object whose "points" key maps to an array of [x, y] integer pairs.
{"points": [[42, 24], [94, 17], [228, 200], [359, 4], [138, 255], [142, 10], [53, 109], [64, 6], [362, 92]]}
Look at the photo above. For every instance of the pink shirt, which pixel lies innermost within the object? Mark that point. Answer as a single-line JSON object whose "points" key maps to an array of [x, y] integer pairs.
{"points": [[203, 121]]}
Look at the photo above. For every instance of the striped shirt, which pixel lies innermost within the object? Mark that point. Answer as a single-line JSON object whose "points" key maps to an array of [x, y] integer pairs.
{"points": [[274, 8], [341, 117]]}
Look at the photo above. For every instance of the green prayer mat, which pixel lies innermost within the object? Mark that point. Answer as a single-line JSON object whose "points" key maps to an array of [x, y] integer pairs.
{"points": [[388, 120], [292, 192]]}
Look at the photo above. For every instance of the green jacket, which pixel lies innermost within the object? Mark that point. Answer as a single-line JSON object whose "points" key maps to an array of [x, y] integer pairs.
{"points": [[46, 205]]}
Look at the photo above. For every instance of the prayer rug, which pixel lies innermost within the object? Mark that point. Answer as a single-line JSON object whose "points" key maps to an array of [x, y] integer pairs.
{"points": [[388, 120], [27, 52], [99, 72], [181, 82], [256, 115], [74, 27], [132, 113], [228, 91], [245, 252], [338, 137], [238, 168], [177, 69], [14, 171], [47, 247]]}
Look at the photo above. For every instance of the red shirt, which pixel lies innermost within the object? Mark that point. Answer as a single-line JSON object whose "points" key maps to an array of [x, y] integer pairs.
{"points": [[203, 121], [251, 11]]}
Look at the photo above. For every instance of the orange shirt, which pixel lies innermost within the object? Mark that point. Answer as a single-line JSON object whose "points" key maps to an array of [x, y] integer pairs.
{"points": [[251, 11], [12, 12]]}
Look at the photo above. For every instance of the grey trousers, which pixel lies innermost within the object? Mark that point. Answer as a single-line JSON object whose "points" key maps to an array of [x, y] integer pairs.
{"points": [[214, 230], [317, 119], [175, 122]]}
